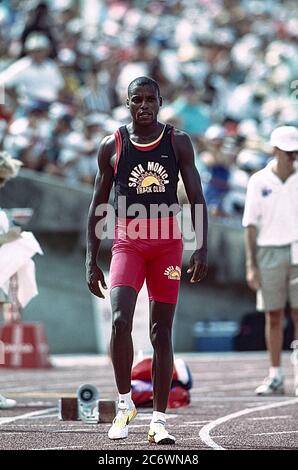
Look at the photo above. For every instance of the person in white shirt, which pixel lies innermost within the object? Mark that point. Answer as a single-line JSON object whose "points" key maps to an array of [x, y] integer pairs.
{"points": [[8, 169], [35, 76], [271, 225]]}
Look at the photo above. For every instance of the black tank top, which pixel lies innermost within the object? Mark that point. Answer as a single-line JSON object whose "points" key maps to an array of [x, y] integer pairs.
{"points": [[145, 176]]}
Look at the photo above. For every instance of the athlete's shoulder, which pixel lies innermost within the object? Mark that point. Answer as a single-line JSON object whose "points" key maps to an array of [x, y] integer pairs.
{"points": [[182, 143], [178, 132], [108, 140], [106, 150], [107, 144], [180, 136]]}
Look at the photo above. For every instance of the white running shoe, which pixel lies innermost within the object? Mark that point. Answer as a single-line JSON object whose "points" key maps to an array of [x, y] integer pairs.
{"points": [[6, 403], [159, 435], [125, 415], [271, 386]]}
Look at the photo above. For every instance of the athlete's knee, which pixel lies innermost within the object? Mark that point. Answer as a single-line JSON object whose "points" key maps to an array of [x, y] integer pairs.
{"points": [[121, 324], [160, 335]]}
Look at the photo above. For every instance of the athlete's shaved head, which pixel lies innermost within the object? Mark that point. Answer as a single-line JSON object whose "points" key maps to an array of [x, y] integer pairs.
{"points": [[143, 81]]}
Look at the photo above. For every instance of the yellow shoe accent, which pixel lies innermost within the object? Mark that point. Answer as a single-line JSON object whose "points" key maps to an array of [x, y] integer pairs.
{"points": [[119, 429], [159, 435]]}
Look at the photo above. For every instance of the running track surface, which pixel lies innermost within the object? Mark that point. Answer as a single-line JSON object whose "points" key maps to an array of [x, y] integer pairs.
{"points": [[224, 412]]}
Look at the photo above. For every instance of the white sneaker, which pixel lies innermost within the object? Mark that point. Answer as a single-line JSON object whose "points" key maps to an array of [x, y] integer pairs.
{"points": [[294, 360], [125, 415], [6, 403], [159, 435], [271, 386]]}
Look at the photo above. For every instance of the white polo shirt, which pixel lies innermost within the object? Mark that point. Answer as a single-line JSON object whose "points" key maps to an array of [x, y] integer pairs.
{"points": [[272, 206]]}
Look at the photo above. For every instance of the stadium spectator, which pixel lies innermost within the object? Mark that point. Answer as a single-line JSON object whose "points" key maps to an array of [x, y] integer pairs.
{"points": [[40, 21], [8, 169], [35, 76], [239, 58], [193, 115], [217, 166], [27, 138]]}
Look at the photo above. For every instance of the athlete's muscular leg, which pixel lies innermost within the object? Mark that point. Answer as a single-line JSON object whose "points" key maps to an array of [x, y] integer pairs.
{"points": [[123, 301], [161, 320]]}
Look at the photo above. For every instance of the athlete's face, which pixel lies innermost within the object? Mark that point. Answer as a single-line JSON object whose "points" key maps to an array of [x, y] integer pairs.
{"points": [[144, 103]]}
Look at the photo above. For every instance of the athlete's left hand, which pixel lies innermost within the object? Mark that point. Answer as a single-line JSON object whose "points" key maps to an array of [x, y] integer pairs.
{"points": [[198, 265]]}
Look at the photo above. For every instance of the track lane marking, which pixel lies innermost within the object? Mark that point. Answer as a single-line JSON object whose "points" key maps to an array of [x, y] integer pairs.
{"points": [[273, 433], [11, 419], [204, 433], [263, 418]]}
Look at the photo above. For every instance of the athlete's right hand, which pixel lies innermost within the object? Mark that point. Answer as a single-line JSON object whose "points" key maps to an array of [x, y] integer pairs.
{"points": [[95, 281], [253, 278]]}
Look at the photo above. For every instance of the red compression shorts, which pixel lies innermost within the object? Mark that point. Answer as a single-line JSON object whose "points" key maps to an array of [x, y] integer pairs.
{"points": [[148, 249]]}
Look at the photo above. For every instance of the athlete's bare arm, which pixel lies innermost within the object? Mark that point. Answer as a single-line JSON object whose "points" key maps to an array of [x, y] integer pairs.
{"points": [[101, 193], [192, 182]]}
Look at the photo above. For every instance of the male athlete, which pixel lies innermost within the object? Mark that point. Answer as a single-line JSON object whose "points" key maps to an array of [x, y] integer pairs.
{"points": [[143, 159]]}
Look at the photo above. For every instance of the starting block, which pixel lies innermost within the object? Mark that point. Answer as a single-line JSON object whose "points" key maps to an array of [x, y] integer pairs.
{"points": [[87, 407]]}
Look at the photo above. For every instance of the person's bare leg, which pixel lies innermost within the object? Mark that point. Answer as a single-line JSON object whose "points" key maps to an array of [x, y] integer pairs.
{"points": [[294, 355], [5, 403], [123, 301], [295, 322], [274, 335], [161, 320]]}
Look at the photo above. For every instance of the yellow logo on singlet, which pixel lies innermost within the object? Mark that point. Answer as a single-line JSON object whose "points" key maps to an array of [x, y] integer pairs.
{"points": [[151, 179], [173, 273]]}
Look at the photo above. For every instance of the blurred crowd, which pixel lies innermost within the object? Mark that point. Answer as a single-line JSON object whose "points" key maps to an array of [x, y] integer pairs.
{"points": [[227, 69]]}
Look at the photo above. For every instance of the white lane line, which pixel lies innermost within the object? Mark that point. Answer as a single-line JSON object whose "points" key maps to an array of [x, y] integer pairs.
{"points": [[11, 419], [233, 398], [148, 416], [262, 418], [135, 426], [145, 442], [58, 448], [274, 433], [32, 390], [35, 404], [205, 431], [33, 426], [196, 422], [92, 430], [53, 415], [190, 425], [234, 387]]}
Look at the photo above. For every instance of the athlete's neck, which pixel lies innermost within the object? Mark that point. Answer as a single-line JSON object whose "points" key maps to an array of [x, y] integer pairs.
{"points": [[144, 134]]}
